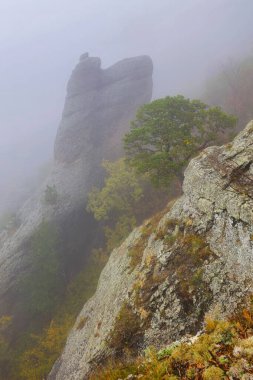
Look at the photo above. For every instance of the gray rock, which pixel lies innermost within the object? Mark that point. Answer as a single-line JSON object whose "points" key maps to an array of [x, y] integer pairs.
{"points": [[216, 209], [98, 109]]}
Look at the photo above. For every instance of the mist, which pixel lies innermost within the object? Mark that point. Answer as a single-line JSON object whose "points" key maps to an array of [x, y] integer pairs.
{"points": [[41, 42]]}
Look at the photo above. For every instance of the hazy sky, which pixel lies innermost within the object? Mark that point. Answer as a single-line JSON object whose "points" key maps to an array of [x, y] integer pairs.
{"points": [[41, 41]]}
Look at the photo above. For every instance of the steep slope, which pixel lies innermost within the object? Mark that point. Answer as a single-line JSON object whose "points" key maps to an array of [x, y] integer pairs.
{"points": [[98, 108], [196, 257]]}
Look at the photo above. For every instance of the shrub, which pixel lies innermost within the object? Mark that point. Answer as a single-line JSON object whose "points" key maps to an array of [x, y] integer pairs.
{"points": [[166, 352], [213, 373], [36, 362], [125, 200], [219, 353], [126, 332]]}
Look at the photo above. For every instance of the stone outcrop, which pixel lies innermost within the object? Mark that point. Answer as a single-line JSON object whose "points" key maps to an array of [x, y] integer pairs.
{"points": [[194, 258], [99, 106]]}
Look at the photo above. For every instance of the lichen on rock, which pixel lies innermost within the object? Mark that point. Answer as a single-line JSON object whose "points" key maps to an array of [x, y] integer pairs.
{"points": [[196, 257]]}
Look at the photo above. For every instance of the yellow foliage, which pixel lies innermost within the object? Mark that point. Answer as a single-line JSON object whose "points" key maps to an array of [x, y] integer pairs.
{"points": [[40, 354], [36, 362], [244, 347], [213, 373], [247, 314], [216, 354], [143, 313]]}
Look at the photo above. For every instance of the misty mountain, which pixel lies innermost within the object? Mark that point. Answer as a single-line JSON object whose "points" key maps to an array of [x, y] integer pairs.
{"points": [[187, 40]]}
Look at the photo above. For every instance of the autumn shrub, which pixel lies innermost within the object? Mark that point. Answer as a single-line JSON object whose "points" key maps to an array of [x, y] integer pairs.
{"points": [[224, 350], [136, 251], [191, 252], [38, 352], [124, 201], [213, 373], [37, 361], [126, 332]]}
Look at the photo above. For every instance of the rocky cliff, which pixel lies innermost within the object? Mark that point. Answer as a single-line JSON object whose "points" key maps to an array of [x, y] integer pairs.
{"points": [[99, 106], [194, 257]]}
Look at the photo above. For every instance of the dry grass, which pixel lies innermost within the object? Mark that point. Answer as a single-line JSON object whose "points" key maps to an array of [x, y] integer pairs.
{"points": [[223, 351]]}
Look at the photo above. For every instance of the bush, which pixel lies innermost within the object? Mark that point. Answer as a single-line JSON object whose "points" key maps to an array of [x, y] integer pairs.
{"points": [[126, 332], [221, 352], [213, 373], [36, 362], [124, 201]]}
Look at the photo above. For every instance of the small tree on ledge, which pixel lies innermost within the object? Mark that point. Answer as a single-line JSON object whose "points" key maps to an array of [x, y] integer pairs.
{"points": [[168, 132]]}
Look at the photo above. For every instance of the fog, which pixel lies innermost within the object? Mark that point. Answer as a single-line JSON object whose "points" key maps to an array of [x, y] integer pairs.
{"points": [[41, 41]]}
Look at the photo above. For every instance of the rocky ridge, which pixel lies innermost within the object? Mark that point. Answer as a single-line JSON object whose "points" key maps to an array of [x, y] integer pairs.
{"points": [[99, 106], [193, 258]]}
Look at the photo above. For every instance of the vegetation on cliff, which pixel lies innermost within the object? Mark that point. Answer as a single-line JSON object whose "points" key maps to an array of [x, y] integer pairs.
{"points": [[224, 350], [168, 132], [51, 306], [124, 201], [44, 347], [49, 296]]}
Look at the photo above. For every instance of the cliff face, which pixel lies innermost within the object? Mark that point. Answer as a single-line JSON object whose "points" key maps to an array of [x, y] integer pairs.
{"points": [[195, 257], [97, 112], [98, 109]]}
